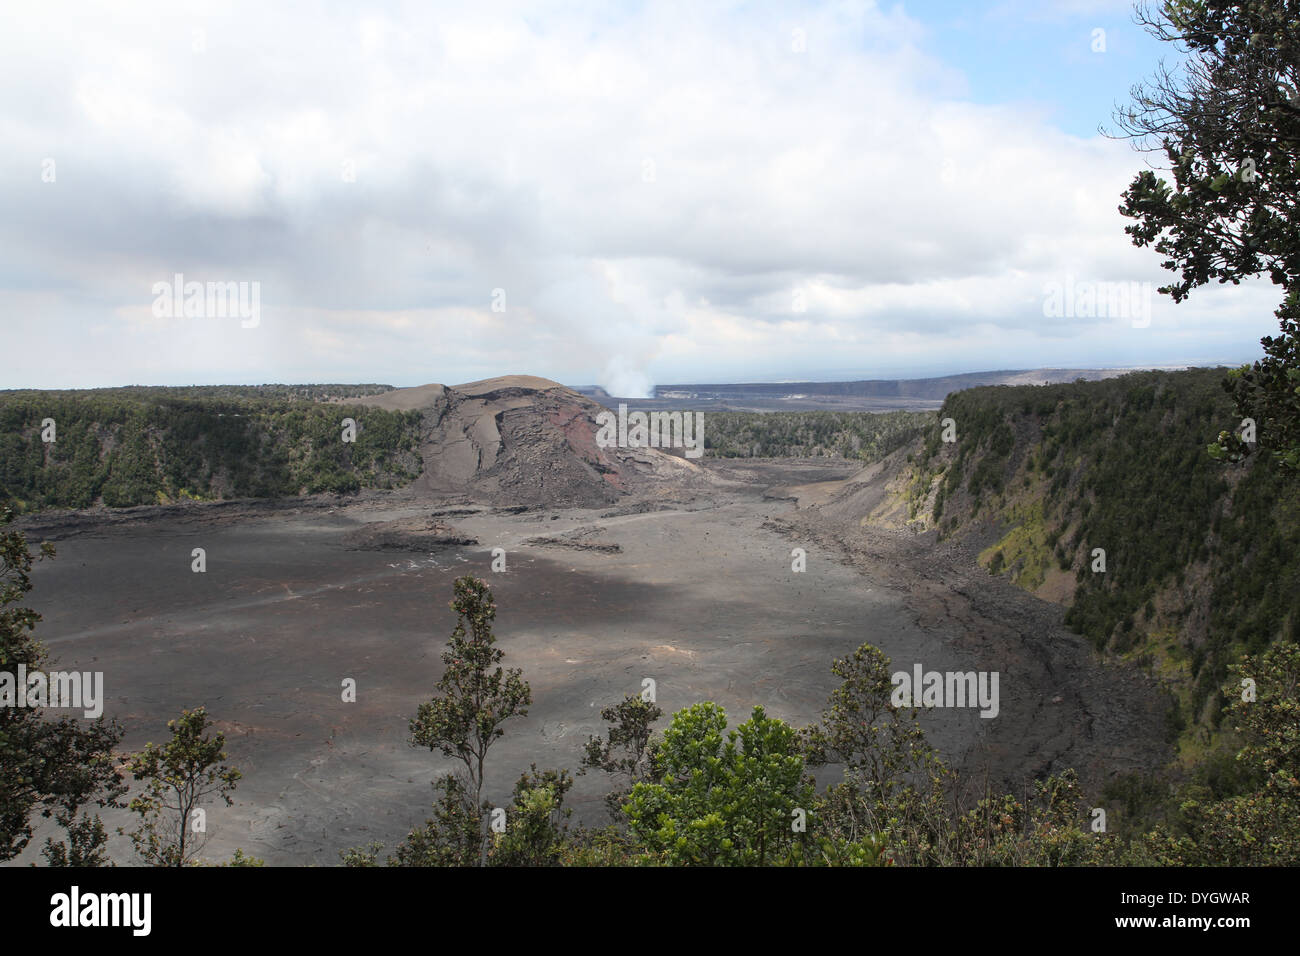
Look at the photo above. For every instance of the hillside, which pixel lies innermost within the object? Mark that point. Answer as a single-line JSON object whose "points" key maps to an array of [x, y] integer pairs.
{"points": [[520, 440], [132, 446], [866, 436], [1201, 559]]}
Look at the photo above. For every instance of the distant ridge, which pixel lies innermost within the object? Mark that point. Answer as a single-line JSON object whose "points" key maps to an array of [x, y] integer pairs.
{"points": [[930, 388], [867, 395]]}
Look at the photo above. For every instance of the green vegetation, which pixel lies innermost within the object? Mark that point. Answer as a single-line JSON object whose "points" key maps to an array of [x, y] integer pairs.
{"points": [[1227, 119], [626, 753], [1202, 557], [736, 800], [135, 446], [1026, 550], [54, 768], [476, 696], [867, 436], [178, 777]]}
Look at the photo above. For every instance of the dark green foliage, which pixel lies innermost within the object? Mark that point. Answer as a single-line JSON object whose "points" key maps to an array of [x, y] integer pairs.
{"points": [[241, 860], [453, 836], [1127, 471], [1259, 823], [51, 767], [145, 445], [178, 778], [866, 436], [476, 696], [743, 798], [627, 753], [535, 823], [1227, 120], [1134, 802], [880, 745], [85, 847]]}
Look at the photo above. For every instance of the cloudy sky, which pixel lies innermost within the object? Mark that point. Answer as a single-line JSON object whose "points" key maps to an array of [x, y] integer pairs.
{"points": [[600, 193]]}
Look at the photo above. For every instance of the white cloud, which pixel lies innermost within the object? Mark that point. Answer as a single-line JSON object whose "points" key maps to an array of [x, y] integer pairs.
{"points": [[510, 148]]}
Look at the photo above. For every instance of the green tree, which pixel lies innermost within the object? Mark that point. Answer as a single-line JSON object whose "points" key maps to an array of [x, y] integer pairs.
{"points": [[178, 777], [879, 745], [54, 767], [1047, 828], [451, 837], [1228, 122], [627, 751], [721, 798], [535, 823], [894, 784], [362, 857], [477, 695], [1262, 827], [85, 847]]}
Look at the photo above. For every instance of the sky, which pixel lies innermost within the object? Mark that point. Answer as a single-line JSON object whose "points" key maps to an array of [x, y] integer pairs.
{"points": [[620, 194]]}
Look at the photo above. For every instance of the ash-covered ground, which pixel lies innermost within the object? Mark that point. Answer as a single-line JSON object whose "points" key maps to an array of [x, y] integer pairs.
{"points": [[699, 596]]}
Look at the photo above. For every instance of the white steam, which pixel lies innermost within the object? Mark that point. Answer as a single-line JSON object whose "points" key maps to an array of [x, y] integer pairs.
{"points": [[621, 380]]}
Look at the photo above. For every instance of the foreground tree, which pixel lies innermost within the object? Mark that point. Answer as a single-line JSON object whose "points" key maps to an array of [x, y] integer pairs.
{"points": [[880, 745], [1228, 122], [53, 768], [899, 804], [895, 792], [1260, 827], [626, 753], [85, 847], [477, 696], [179, 777], [451, 837], [722, 799], [535, 824]]}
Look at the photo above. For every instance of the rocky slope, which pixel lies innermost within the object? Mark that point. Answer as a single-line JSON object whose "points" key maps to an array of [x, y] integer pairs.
{"points": [[1100, 498], [1062, 705], [523, 440]]}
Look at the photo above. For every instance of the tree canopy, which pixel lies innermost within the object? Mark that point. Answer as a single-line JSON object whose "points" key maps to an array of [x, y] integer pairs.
{"points": [[1228, 122]]}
